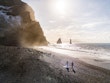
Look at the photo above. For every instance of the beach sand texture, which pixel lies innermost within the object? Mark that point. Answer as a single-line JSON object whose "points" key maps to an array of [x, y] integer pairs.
{"points": [[27, 65]]}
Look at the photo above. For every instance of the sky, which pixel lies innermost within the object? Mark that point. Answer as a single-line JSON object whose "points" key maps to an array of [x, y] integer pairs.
{"points": [[86, 21]]}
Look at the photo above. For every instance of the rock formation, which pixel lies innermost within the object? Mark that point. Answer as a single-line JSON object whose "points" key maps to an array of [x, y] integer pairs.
{"points": [[18, 26], [70, 41], [59, 41]]}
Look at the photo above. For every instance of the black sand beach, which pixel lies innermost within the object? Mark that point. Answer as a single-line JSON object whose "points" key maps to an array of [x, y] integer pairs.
{"points": [[26, 65]]}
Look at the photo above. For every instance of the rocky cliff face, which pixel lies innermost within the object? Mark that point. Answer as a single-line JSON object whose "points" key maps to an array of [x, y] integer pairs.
{"points": [[18, 25]]}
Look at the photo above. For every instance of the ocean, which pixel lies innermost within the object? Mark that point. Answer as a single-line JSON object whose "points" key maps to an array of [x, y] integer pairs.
{"points": [[101, 50], [95, 46], [97, 54]]}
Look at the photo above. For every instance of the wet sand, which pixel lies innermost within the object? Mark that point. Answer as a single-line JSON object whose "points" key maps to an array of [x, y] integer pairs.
{"points": [[90, 58], [26, 65], [86, 72]]}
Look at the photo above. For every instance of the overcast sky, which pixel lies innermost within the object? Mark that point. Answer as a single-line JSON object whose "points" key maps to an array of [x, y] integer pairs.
{"points": [[80, 20]]}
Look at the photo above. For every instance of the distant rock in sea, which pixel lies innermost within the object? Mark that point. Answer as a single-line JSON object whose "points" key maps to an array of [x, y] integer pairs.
{"points": [[70, 41], [18, 26], [59, 41]]}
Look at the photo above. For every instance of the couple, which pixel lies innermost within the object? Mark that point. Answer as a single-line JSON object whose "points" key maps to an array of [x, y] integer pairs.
{"points": [[72, 67]]}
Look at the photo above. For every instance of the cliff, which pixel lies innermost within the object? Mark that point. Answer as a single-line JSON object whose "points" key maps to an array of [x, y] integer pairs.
{"points": [[18, 26]]}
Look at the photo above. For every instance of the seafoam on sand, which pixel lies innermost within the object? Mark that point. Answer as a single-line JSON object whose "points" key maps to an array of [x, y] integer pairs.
{"points": [[88, 57]]}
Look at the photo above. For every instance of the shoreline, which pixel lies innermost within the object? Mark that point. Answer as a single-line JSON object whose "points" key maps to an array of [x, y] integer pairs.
{"points": [[28, 65], [84, 71], [85, 57]]}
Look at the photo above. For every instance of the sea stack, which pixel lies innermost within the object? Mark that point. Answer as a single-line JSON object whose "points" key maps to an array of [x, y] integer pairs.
{"points": [[59, 41], [18, 26], [70, 41]]}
